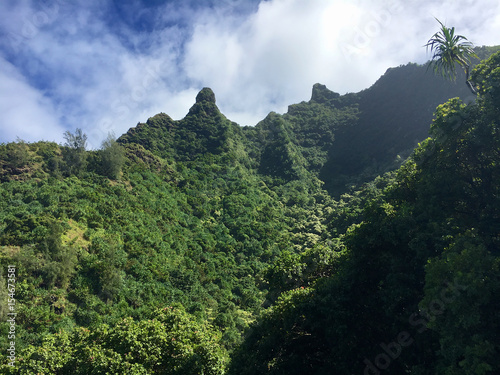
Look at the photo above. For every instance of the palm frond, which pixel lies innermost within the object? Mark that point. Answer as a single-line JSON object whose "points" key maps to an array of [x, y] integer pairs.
{"points": [[449, 50]]}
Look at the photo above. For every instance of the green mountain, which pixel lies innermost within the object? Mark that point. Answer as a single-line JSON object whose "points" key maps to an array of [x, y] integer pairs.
{"points": [[335, 238], [204, 130], [340, 139], [414, 288]]}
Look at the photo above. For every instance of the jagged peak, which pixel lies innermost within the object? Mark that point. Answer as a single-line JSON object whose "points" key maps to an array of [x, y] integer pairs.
{"points": [[205, 95], [205, 104], [321, 94]]}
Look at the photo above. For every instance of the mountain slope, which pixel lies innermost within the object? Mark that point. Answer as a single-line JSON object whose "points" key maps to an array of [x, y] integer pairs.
{"points": [[339, 138], [414, 289], [205, 225]]}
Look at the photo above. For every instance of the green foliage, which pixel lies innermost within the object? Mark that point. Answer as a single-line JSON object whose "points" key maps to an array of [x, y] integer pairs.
{"points": [[281, 158], [414, 292], [460, 285], [112, 158], [234, 227], [450, 49], [279, 336], [22, 161], [60, 261], [170, 342], [17, 154], [204, 129], [487, 78], [298, 270], [156, 135], [74, 156]]}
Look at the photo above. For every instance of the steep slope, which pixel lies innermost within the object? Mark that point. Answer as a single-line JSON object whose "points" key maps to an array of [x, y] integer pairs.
{"points": [[349, 139], [393, 118], [392, 114], [414, 289]]}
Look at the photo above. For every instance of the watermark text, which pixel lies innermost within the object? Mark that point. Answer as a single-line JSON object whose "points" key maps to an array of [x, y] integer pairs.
{"points": [[11, 315]]}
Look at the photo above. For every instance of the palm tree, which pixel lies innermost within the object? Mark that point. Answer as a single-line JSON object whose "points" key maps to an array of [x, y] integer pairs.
{"points": [[451, 50]]}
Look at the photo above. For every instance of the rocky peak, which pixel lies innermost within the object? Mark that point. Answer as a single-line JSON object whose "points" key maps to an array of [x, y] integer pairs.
{"points": [[320, 94], [205, 95]]}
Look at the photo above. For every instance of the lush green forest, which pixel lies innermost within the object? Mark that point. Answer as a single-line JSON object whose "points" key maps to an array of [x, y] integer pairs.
{"points": [[354, 234]]}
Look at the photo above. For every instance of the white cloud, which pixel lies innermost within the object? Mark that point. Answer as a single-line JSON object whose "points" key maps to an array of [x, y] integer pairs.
{"points": [[25, 112], [98, 84], [273, 58], [77, 66]]}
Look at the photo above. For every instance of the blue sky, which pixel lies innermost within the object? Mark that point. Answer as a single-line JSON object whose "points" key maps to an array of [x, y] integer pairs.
{"points": [[103, 66]]}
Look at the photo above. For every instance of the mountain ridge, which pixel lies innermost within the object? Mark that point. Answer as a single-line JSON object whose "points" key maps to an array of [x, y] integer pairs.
{"points": [[343, 139]]}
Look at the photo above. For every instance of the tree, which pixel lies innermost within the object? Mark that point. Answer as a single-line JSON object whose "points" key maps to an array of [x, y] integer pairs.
{"points": [[112, 157], [77, 141], [486, 76], [74, 155], [449, 50], [18, 153]]}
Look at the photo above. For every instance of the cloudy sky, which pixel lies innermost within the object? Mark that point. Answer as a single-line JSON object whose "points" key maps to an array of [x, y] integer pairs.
{"points": [[105, 65]]}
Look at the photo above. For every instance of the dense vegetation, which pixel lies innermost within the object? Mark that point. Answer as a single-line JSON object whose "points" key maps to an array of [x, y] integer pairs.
{"points": [[315, 242]]}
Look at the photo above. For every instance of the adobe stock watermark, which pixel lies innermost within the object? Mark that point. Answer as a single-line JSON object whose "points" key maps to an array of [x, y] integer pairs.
{"points": [[365, 34], [391, 351], [30, 27], [11, 315]]}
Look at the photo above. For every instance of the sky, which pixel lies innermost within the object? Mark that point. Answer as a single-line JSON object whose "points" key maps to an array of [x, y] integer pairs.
{"points": [[105, 65]]}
